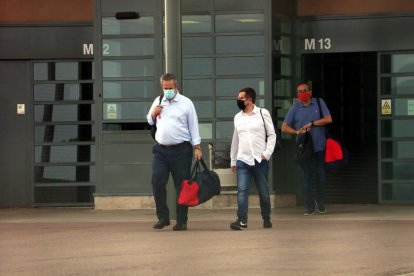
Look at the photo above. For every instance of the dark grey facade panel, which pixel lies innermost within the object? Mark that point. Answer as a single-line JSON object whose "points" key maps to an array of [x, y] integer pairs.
{"points": [[45, 42], [321, 35]]}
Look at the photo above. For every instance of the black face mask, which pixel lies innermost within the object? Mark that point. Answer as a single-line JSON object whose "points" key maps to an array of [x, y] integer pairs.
{"points": [[241, 105]]}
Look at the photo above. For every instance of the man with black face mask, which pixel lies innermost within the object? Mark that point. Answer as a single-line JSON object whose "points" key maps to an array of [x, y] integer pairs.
{"points": [[254, 140]]}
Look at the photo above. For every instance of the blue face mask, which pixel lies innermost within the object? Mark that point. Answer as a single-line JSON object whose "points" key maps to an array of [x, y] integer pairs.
{"points": [[169, 93]]}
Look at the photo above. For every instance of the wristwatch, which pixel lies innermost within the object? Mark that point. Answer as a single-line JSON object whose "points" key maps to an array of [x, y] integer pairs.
{"points": [[311, 123]]}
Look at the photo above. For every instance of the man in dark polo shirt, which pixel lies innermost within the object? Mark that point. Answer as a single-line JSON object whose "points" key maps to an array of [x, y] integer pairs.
{"points": [[304, 116]]}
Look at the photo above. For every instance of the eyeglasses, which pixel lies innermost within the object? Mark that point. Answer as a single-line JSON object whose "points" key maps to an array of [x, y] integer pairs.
{"points": [[303, 91], [242, 99]]}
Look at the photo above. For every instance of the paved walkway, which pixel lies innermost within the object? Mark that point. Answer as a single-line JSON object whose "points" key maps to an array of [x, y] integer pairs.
{"points": [[348, 240]]}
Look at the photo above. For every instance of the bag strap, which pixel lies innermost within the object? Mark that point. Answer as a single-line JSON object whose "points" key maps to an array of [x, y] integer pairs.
{"points": [[320, 108], [321, 116], [264, 123], [158, 104]]}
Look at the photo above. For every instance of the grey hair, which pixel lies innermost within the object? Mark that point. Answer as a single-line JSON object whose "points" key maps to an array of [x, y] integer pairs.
{"points": [[168, 77]]}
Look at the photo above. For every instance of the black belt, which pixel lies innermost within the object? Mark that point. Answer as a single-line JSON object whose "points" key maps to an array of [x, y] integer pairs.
{"points": [[174, 146]]}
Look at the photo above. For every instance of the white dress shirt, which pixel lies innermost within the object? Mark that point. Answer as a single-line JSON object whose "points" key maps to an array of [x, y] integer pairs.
{"points": [[249, 138], [177, 121]]}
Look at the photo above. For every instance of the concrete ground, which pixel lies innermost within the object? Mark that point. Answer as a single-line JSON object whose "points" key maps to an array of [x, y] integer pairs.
{"points": [[348, 240]]}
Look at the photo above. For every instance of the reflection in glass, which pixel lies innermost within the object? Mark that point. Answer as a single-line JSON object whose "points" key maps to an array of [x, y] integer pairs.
{"points": [[397, 149], [240, 65], [128, 47], [240, 44], [239, 23], [63, 70], [282, 107], [65, 174], [226, 108], [196, 45], [113, 26], [402, 63], [282, 88], [224, 130], [386, 149], [231, 87], [403, 192], [66, 70], [64, 113], [282, 66], [128, 68], [63, 92], [196, 24], [398, 170], [397, 85], [64, 133], [403, 107], [206, 130], [197, 66], [197, 88], [398, 128], [126, 110], [72, 153], [204, 109], [128, 89]]}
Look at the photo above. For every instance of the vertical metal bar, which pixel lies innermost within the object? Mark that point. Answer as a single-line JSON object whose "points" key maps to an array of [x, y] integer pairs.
{"points": [[172, 65]]}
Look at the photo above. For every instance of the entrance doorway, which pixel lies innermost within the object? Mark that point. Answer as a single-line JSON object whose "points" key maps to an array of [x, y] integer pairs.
{"points": [[348, 84]]}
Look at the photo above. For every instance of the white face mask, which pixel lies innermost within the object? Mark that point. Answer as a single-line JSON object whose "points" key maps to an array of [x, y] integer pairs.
{"points": [[169, 93]]}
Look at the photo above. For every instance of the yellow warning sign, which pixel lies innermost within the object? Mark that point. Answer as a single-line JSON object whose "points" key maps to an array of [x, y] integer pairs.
{"points": [[386, 107], [111, 111]]}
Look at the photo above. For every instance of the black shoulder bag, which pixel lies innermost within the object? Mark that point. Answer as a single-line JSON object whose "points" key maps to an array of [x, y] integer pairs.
{"points": [[304, 148], [154, 126]]}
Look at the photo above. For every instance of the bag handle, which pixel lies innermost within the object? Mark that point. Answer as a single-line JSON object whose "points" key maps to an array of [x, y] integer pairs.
{"points": [[196, 169]]}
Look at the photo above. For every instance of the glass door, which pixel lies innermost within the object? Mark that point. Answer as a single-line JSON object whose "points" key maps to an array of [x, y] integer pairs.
{"points": [[396, 124]]}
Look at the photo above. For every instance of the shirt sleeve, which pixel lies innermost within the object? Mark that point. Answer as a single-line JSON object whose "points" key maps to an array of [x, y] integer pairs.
{"points": [[289, 117], [193, 125], [149, 117], [234, 148]]}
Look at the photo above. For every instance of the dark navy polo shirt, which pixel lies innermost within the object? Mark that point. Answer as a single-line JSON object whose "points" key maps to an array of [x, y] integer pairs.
{"points": [[299, 115]]}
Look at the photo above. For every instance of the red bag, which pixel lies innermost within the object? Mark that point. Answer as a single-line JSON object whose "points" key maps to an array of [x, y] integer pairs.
{"points": [[202, 186], [189, 193], [333, 150]]}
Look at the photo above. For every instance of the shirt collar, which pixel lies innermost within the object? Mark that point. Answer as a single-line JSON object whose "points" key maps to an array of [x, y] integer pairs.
{"points": [[311, 102]]}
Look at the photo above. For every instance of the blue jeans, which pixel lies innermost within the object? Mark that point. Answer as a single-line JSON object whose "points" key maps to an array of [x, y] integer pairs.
{"points": [[244, 174], [176, 161], [305, 177]]}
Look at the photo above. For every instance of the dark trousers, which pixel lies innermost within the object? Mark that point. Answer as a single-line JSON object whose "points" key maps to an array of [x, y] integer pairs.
{"points": [[177, 161], [306, 173]]}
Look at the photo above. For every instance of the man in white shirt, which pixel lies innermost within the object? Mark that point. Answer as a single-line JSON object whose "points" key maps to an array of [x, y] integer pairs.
{"points": [[254, 140], [177, 134]]}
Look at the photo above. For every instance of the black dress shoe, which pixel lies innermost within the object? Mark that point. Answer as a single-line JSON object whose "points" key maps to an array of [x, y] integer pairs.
{"points": [[180, 227], [161, 223]]}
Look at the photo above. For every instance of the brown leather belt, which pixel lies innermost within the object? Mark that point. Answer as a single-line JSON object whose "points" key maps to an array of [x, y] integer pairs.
{"points": [[174, 146]]}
